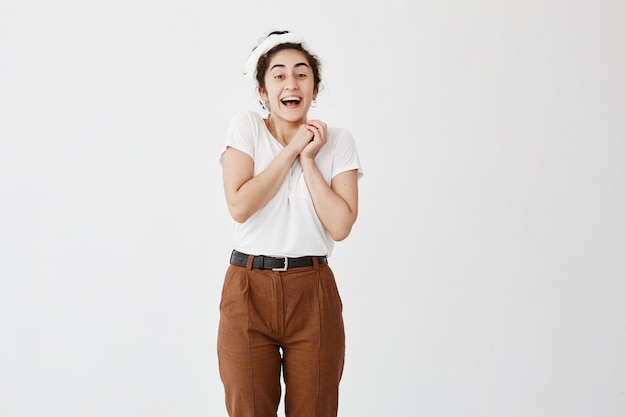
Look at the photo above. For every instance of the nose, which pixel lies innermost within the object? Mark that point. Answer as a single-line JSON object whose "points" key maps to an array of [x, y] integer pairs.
{"points": [[291, 83]]}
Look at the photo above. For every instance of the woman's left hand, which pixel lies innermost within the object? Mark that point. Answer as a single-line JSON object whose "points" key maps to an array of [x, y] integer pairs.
{"points": [[319, 130]]}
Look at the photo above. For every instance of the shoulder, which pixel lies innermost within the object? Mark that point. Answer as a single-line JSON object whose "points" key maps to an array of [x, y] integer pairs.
{"points": [[245, 125], [340, 136], [246, 117], [338, 132]]}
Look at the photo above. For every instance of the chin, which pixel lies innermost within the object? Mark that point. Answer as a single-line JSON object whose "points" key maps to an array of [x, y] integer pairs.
{"points": [[293, 116]]}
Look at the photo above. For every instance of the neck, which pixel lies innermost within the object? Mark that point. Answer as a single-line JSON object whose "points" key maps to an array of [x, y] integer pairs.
{"points": [[282, 130]]}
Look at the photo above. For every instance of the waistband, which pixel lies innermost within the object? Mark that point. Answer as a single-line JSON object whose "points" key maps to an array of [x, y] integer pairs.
{"points": [[275, 264]]}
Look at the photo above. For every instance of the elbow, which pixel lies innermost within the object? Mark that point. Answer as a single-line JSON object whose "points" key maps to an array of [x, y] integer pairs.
{"points": [[341, 230], [240, 211], [240, 216], [341, 233], [240, 219]]}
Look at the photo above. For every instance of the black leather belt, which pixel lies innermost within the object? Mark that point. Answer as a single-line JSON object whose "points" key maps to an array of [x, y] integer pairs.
{"points": [[273, 263]]}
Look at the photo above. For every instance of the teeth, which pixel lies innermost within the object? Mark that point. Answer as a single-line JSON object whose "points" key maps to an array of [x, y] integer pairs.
{"points": [[291, 99]]}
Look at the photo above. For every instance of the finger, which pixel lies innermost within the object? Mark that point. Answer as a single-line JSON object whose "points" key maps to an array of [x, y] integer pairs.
{"points": [[314, 132], [317, 123], [321, 126], [314, 129], [320, 134]]}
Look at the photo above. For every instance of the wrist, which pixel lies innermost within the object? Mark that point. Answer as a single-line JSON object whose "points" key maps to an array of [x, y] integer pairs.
{"points": [[306, 160], [291, 150]]}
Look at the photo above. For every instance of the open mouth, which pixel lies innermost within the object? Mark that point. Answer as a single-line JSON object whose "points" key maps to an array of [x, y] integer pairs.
{"points": [[291, 101]]}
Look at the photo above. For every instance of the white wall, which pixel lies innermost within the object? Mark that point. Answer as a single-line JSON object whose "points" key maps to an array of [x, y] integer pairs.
{"points": [[484, 277]]}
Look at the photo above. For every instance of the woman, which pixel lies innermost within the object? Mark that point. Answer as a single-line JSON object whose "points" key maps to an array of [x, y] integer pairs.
{"points": [[291, 189]]}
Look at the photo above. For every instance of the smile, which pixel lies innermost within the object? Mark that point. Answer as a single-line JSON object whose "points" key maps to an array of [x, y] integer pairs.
{"points": [[291, 101]]}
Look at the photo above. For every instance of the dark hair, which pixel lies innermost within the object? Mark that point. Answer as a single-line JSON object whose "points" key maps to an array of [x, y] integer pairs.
{"points": [[264, 60]]}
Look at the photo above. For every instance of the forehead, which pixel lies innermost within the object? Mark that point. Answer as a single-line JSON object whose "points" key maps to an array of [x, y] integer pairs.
{"points": [[288, 58]]}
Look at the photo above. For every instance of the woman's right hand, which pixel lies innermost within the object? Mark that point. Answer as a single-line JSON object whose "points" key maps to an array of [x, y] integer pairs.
{"points": [[301, 138]]}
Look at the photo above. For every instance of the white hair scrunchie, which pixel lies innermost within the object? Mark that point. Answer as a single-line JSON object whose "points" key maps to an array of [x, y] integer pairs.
{"points": [[249, 68]]}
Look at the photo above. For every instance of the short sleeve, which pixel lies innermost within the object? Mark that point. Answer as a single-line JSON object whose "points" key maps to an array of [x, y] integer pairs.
{"points": [[241, 133], [346, 157]]}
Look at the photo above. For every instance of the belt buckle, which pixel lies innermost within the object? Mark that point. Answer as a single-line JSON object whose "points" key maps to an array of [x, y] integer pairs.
{"points": [[284, 268]]}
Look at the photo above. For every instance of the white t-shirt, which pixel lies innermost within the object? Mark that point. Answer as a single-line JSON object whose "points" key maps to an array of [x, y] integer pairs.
{"points": [[288, 224]]}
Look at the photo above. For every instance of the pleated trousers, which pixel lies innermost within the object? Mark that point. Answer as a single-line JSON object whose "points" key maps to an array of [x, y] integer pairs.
{"points": [[287, 321]]}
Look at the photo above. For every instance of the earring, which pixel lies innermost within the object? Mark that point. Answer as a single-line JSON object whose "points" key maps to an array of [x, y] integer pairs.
{"points": [[314, 103], [265, 105]]}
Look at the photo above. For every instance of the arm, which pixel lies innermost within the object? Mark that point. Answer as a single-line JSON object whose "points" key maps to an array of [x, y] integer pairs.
{"points": [[336, 205], [245, 193]]}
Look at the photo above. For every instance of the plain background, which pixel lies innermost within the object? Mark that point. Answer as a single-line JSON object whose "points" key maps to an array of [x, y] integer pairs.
{"points": [[484, 277]]}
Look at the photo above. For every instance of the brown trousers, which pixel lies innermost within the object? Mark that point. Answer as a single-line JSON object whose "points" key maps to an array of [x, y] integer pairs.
{"points": [[262, 312]]}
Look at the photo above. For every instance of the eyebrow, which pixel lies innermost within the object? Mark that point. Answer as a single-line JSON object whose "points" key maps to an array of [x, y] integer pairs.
{"points": [[299, 64]]}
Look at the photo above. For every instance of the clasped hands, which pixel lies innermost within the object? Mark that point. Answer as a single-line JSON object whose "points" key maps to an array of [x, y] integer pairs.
{"points": [[310, 137]]}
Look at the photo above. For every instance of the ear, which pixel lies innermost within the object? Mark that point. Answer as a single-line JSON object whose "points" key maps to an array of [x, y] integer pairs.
{"points": [[262, 94], [315, 91]]}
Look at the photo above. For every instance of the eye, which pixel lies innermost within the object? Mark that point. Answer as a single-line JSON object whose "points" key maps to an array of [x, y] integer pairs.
{"points": [[279, 76], [301, 75]]}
